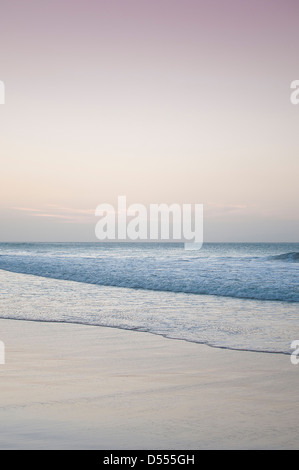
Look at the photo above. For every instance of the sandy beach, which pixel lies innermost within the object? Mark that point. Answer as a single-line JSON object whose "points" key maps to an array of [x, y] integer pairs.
{"points": [[67, 386]]}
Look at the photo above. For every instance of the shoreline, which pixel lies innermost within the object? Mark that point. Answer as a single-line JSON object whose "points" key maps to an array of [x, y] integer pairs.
{"points": [[66, 386], [273, 325], [137, 330]]}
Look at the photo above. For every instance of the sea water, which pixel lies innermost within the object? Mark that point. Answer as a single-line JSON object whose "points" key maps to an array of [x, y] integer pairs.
{"points": [[229, 295]]}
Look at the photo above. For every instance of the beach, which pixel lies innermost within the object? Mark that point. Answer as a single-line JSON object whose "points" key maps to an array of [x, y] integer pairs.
{"points": [[68, 386], [149, 250]]}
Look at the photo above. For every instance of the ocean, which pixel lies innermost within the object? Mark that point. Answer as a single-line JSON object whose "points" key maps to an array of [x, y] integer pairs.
{"points": [[229, 295]]}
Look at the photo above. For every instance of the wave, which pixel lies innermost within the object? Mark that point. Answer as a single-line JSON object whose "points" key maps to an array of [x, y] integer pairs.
{"points": [[237, 278], [292, 257]]}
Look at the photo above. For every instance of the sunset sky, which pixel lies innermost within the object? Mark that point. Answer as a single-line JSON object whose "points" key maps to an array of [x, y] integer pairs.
{"points": [[173, 101]]}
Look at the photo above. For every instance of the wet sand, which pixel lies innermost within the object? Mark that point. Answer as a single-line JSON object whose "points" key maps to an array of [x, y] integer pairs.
{"points": [[67, 386]]}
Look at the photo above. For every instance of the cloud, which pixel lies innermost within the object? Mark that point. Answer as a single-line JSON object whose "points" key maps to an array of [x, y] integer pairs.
{"points": [[61, 213], [221, 209]]}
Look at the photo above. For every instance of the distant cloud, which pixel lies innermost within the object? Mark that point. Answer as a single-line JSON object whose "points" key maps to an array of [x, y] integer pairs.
{"points": [[62, 213], [221, 209]]}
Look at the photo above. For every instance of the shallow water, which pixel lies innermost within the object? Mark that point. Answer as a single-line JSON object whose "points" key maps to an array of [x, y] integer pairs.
{"points": [[238, 296]]}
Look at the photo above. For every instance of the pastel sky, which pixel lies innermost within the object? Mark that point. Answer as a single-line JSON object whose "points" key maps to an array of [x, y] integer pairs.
{"points": [[173, 101]]}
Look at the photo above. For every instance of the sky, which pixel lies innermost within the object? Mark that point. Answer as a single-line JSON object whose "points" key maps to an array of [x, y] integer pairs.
{"points": [[164, 101]]}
